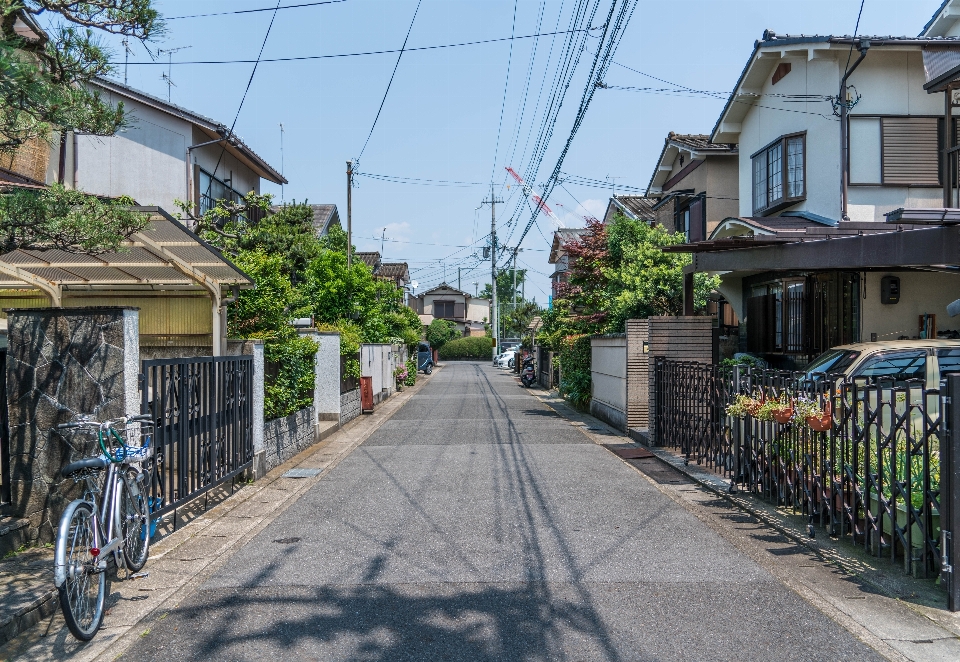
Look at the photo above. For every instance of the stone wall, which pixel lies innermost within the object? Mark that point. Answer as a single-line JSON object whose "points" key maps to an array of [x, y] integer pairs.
{"points": [[349, 406], [285, 437], [62, 363]]}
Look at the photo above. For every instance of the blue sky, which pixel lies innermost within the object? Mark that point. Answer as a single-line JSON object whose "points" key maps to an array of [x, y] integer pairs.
{"points": [[442, 115]]}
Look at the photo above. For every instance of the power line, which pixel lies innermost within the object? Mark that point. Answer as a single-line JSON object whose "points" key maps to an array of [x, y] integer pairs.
{"points": [[506, 84], [396, 179], [223, 147], [362, 53], [252, 11], [390, 83]]}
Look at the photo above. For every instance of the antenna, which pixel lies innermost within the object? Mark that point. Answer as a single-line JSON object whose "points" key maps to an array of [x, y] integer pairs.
{"points": [[613, 180], [166, 77], [383, 236], [281, 161], [126, 57]]}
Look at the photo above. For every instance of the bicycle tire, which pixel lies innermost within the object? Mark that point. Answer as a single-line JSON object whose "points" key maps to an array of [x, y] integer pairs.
{"points": [[134, 521], [83, 591]]}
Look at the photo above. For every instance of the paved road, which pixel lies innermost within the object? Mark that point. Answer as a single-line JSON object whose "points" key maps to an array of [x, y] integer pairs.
{"points": [[476, 524]]}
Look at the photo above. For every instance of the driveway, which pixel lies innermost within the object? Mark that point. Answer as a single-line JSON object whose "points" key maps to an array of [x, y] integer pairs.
{"points": [[477, 524]]}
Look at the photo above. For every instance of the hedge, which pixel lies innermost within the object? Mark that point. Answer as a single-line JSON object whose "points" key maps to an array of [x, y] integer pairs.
{"points": [[575, 376], [477, 347]]}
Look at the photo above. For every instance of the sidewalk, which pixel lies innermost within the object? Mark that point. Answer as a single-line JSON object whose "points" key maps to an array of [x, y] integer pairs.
{"points": [[903, 618], [181, 559]]}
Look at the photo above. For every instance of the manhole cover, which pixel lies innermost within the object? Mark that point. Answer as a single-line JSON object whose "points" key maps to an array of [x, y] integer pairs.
{"points": [[631, 453], [302, 473], [287, 541]]}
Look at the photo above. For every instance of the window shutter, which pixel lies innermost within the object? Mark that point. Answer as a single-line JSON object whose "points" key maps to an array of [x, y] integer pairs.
{"points": [[458, 312], [910, 151], [698, 221]]}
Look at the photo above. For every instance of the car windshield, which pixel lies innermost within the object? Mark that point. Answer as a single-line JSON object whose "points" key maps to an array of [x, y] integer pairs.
{"points": [[832, 361]]}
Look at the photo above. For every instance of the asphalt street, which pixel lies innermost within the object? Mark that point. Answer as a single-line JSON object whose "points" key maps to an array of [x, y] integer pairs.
{"points": [[477, 524]]}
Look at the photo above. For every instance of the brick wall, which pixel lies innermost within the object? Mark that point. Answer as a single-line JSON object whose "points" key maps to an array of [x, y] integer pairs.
{"points": [[285, 437]]}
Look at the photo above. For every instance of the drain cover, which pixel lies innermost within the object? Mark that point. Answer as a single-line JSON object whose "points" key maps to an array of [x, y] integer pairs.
{"points": [[302, 473], [287, 541]]}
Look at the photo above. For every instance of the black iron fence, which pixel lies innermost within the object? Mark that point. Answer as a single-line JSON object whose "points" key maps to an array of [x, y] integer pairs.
{"points": [[858, 457], [203, 412], [4, 433]]}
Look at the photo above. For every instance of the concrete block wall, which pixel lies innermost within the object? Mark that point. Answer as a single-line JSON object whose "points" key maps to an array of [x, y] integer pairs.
{"points": [[608, 374], [285, 437], [349, 406]]}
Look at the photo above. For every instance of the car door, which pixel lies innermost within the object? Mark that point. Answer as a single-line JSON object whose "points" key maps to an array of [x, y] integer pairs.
{"points": [[898, 368]]}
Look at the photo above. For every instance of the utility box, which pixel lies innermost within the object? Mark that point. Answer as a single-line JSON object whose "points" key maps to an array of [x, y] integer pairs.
{"points": [[890, 289], [366, 395]]}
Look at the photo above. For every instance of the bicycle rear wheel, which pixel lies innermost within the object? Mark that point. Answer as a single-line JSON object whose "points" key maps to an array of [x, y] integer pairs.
{"points": [[83, 591], [134, 520]]}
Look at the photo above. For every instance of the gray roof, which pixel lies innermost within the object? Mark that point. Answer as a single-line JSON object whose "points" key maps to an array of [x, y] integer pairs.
{"points": [[235, 145], [371, 259], [698, 142], [394, 270], [639, 207], [933, 18]]}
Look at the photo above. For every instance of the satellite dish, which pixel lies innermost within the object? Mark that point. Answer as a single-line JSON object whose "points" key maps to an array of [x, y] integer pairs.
{"points": [[414, 284]]}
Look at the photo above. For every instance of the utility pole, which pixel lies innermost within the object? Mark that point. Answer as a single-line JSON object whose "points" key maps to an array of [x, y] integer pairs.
{"points": [[494, 313], [281, 161], [349, 213]]}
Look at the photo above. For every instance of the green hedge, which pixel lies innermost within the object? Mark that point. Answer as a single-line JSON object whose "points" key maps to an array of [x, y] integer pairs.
{"points": [[575, 378], [478, 347]]}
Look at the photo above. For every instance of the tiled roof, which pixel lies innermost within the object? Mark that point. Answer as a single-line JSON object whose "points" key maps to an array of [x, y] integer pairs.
{"points": [[393, 270], [369, 259]]}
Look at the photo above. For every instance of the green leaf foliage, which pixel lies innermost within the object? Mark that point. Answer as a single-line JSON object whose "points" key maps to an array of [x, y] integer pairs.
{"points": [[440, 332], [43, 78], [575, 380], [476, 347], [69, 220], [291, 389]]}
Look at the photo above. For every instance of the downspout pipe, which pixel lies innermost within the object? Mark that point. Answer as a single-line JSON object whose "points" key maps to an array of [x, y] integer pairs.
{"points": [[863, 46]]}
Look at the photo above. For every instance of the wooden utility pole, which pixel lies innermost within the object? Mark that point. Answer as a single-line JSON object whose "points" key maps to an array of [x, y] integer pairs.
{"points": [[349, 213]]}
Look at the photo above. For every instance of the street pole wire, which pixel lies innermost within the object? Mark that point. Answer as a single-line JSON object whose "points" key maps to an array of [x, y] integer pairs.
{"points": [[506, 85], [390, 83]]}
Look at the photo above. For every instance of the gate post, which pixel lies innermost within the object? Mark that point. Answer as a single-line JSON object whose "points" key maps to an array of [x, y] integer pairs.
{"points": [[950, 495]]}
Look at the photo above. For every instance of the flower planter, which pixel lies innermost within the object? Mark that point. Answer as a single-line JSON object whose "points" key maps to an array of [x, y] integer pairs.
{"points": [[917, 537]]}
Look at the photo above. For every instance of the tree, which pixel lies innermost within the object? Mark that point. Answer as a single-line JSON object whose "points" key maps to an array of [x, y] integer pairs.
{"points": [[440, 332], [43, 80]]}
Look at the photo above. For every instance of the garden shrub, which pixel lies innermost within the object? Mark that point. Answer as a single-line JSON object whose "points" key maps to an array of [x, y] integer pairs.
{"points": [[477, 347], [575, 370]]}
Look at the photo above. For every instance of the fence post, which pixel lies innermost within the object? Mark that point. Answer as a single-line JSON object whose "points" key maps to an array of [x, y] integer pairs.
{"points": [[259, 449], [950, 495]]}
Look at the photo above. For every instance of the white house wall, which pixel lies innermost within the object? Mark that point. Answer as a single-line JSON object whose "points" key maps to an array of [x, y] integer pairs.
{"points": [[920, 293], [144, 161], [244, 179], [889, 81], [478, 310]]}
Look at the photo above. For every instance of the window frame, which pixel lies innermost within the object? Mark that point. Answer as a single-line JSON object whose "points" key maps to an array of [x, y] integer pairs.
{"points": [[882, 116], [445, 302], [784, 200]]}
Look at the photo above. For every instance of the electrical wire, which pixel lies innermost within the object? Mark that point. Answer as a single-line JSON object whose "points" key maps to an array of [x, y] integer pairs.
{"points": [[390, 83], [396, 179], [223, 148], [253, 11], [506, 85], [362, 53]]}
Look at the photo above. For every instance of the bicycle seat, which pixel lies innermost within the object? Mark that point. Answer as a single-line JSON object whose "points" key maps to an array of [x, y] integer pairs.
{"points": [[86, 463]]}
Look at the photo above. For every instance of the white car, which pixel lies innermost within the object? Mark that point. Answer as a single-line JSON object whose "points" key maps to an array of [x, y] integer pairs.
{"points": [[505, 360]]}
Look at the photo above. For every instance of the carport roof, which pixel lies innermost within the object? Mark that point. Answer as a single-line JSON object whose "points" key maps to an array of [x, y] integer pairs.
{"points": [[164, 255]]}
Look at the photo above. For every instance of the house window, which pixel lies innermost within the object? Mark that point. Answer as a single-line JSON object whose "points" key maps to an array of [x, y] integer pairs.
{"points": [[443, 308], [895, 151], [213, 189], [779, 174]]}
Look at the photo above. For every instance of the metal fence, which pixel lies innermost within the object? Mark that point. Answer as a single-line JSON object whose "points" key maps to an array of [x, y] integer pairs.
{"points": [[871, 474], [4, 433], [203, 412]]}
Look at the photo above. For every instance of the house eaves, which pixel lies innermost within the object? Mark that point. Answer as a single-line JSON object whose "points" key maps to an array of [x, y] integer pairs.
{"points": [[944, 14], [747, 91], [233, 144], [698, 148]]}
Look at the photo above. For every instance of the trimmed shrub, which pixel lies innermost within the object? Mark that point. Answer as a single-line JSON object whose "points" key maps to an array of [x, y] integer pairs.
{"points": [[575, 356], [477, 347]]}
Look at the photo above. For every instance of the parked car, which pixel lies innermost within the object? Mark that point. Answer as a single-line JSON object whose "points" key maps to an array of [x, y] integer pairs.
{"points": [[901, 360], [506, 360]]}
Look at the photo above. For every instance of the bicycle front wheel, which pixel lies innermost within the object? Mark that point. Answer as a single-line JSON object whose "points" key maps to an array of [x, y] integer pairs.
{"points": [[83, 591], [134, 520]]}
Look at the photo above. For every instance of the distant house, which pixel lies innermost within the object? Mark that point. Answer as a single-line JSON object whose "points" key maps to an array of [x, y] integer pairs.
{"points": [[695, 184], [397, 273], [559, 257], [636, 207], [447, 302]]}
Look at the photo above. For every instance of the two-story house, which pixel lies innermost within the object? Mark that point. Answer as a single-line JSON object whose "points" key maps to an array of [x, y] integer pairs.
{"points": [[695, 184], [560, 258], [397, 273], [444, 301], [817, 245]]}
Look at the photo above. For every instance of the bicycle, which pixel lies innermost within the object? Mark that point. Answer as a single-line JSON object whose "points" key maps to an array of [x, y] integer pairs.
{"points": [[112, 517]]}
